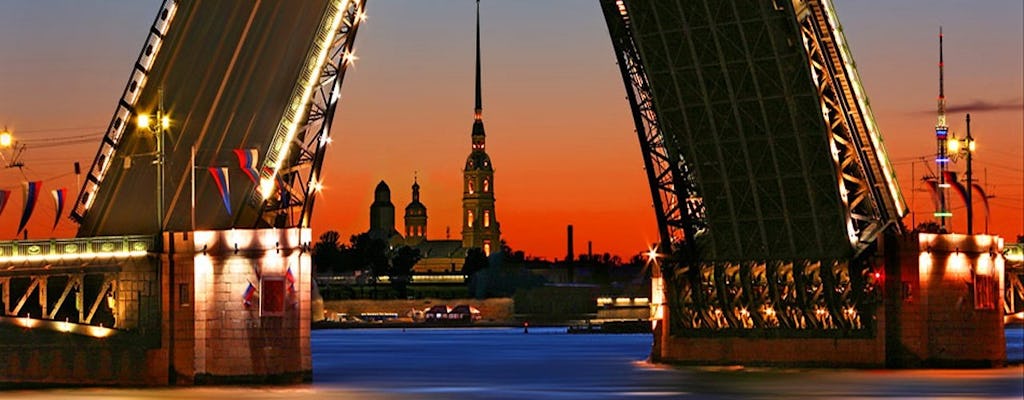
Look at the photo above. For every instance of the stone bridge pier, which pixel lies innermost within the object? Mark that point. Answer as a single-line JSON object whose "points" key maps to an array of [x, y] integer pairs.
{"points": [[198, 307]]}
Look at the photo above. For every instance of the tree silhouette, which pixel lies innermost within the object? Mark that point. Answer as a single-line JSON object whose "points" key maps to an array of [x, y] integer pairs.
{"points": [[401, 268], [327, 257], [369, 254], [475, 265]]}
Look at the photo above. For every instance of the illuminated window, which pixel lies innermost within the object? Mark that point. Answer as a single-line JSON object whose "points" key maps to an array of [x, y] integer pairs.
{"points": [[487, 218], [487, 185], [487, 247], [470, 185], [469, 218]]}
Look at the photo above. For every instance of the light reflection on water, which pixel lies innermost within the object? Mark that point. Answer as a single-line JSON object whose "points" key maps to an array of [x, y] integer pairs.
{"points": [[504, 363]]}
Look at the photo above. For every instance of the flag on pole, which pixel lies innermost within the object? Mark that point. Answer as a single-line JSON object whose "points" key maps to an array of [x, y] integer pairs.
{"points": [[247, 161], [31, 195], [247, 296], [220, 176], [58, 202], [288, 276], [4, 196]]}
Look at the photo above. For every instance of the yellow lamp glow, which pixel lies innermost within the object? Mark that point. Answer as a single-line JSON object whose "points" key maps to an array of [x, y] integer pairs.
{"points": [[970, 146], [142, 120], [165, 122], [6, 139], [953, 145]]}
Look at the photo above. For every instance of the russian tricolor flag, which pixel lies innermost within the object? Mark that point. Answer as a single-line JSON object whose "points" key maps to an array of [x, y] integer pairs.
{"points": [[31, 195], [247, 296], [220, 176], [247, 161], [288, 276], [58, 202]]}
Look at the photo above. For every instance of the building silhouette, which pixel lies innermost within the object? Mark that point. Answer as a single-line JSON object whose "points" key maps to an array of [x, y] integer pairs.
{"points": [[480, 227]]}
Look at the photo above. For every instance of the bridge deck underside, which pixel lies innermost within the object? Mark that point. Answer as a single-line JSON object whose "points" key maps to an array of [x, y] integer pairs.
{"points": [[736, 99], [226, 70]]}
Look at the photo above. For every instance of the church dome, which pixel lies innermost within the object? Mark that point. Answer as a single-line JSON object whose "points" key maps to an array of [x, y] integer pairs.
{"points": [[478, 161], [415, 208], [382, 192]]}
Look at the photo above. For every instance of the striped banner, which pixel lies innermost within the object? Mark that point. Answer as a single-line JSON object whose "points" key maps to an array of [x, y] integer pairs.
{"points": [[58, 204], [31, 195], [247, 162], [958, 187], [220, 177]]}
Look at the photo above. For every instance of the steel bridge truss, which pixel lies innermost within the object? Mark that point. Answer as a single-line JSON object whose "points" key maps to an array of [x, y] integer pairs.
{"points": [[774, 298], [866, 186], [125, 110], [80, 297], [98, 281], [771, 297], [284, 198], [670, 177]]}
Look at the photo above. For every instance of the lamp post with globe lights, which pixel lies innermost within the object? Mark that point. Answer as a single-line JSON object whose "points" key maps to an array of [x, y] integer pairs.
{"points": [[158, 125]]}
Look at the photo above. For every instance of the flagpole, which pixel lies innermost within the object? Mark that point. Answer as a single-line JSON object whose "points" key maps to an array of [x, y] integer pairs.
{"points": [[193, 170]]}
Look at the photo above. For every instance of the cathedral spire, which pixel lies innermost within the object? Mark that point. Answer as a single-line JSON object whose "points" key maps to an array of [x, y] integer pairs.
{"points": [[478, 111], [478, 118]]}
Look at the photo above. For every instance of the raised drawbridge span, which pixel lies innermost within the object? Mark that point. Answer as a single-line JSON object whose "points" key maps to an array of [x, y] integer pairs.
{"points": [[170, 281], [778, 211]]}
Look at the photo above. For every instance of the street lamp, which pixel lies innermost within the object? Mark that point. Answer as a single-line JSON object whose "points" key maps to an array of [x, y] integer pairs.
{"points": [[7, 142], [965, 147], [158, 126]]}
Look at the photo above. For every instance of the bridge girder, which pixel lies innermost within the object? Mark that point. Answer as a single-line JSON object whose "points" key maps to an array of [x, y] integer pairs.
{"points": [[763, 103], [307, 144]]}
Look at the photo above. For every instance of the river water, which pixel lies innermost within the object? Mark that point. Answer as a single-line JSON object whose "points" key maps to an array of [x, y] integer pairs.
{"points": [[547, 363]]}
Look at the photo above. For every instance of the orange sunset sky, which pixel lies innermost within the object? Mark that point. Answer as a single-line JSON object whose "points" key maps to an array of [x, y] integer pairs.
{"points": [[559, 129]]}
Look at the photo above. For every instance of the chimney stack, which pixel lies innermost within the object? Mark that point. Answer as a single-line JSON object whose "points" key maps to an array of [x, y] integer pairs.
{"points": [[569, 255]]}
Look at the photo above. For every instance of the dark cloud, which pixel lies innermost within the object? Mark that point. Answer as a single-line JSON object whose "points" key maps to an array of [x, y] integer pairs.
{"points": [[980, 106]]}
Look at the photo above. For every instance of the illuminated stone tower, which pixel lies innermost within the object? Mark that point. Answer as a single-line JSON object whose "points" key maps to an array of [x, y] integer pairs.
{"points": [[480, 228], [415, 217]]}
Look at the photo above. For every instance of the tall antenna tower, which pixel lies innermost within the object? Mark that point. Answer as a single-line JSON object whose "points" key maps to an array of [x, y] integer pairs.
{"points": [[941, 152]]}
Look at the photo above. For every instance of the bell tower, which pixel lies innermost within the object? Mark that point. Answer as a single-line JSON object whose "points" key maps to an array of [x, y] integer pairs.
{"points": [[480, 228], [415, 217]]}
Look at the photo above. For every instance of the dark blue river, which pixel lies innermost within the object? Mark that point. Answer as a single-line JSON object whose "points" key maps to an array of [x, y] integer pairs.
{"points": [[504, 363], [547, 363]]}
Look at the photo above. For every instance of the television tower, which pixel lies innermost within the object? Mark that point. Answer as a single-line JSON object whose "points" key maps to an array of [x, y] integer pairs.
{"points": [[941, 151]]}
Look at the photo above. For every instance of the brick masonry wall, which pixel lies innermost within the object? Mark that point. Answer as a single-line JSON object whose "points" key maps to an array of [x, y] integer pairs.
{"points": [[220, 338], [958, 332]]}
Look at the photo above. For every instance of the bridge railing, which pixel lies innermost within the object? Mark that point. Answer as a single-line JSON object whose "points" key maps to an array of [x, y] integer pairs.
{"points": [[83, 285], [31, 250]]}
